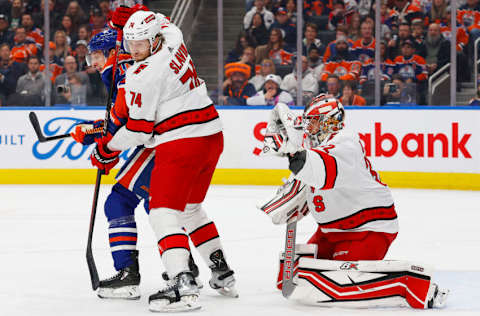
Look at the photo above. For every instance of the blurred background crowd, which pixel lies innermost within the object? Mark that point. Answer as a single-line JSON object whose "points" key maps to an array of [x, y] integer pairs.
{"points": [[338, 50]]}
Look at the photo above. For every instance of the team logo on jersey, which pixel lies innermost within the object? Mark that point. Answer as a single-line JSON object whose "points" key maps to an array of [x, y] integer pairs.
{"points": [[131, 25], [349, 266]]}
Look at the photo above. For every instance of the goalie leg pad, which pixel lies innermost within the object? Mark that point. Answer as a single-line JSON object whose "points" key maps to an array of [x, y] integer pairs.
{"points": [[362, 283]]}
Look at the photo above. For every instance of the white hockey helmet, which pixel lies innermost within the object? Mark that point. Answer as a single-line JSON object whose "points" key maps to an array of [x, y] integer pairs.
{"points": [[323, 116], [143, 25]]}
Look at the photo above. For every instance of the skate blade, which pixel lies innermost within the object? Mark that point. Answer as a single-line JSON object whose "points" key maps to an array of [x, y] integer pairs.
{"points": [[187, 303], [131, 292], [228, 291]]}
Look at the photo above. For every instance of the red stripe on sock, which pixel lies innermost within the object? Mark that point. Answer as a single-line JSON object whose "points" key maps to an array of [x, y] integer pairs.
{"points": [[203, 234]]}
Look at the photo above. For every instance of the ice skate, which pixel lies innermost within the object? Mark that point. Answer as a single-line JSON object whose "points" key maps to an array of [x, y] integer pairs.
{"points": [[193, 268], [437, 296], [124, 284], [222, 279], [181, 295]]}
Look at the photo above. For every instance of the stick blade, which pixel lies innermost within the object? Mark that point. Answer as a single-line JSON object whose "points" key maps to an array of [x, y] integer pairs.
{"points": [[36, 126], [94, 278]]}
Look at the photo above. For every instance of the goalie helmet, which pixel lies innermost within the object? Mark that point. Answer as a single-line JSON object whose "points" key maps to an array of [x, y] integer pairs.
{"points": [[323, 116], [144, 25]]}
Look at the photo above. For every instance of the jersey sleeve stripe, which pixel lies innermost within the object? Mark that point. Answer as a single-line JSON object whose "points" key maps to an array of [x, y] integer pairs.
{"points": [[362, 217], [140, 126], [191, 117], [331, 172]]}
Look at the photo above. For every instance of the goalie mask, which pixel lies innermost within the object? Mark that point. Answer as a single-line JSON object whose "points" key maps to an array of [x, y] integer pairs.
{"points": [[323, 116]]}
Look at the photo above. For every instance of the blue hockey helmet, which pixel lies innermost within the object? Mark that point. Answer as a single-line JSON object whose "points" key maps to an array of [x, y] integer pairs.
{"points": [[104, 41]]}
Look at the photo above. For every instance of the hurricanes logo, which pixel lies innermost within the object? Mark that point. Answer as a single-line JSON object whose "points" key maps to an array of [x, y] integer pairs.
{"points": [[131, 24]]}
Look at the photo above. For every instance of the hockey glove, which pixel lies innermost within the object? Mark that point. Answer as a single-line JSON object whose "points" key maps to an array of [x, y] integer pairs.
{"points": [[289, 203], [121, 15], [102, 157], [86, 132]]}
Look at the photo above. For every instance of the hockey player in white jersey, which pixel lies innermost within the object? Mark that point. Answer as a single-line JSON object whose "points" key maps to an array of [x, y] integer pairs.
{"points": [[354, 210], [169, 110]]}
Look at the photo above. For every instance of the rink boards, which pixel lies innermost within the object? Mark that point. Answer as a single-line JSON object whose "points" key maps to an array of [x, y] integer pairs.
{"points": [[415, 147]]}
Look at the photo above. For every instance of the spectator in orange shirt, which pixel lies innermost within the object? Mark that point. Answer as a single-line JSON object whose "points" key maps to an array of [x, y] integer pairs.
{"points": [[364, 48], [55, 68], [409, 65], [331, 49], [408, 12], [348, 94], [343, 64], [24, 47], [33, 32], [274, 50]]}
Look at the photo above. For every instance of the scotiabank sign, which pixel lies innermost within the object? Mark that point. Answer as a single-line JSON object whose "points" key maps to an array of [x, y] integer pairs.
{"points": [[395, 140], [452, 145]]}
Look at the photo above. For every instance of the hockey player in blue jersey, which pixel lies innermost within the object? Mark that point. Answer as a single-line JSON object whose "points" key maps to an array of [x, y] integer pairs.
{"points": [[133, 179]]}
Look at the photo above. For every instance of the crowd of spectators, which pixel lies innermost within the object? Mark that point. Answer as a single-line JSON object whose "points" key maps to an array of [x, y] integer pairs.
{"points": [[22, 47], [338, 49]]}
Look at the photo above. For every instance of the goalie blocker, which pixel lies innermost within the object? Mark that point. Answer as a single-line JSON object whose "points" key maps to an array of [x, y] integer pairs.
{"points": [[361, 284]]}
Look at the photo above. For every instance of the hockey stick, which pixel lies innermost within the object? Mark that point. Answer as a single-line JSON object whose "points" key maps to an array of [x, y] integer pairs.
{"points": [[92, 268], [38, 130], [289, 263], [42, 139]]}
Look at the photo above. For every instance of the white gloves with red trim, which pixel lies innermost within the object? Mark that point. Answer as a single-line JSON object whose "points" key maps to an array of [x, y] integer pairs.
{"points": [[280, 132]]}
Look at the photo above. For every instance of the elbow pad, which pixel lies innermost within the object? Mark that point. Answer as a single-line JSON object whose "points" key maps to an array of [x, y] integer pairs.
{"points": [[297, 161]]}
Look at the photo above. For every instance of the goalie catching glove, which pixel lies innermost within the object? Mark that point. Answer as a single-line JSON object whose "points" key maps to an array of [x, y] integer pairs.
{"points": [[288, 204], [102, 157], [281, 133]]}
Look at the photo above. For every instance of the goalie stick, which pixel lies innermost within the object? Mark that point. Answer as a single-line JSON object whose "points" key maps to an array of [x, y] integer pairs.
{"points": [[289, 262], [92, 268]]}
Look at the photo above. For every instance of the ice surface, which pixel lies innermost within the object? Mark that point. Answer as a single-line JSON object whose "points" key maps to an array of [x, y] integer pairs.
{"points": [[43, 233]]}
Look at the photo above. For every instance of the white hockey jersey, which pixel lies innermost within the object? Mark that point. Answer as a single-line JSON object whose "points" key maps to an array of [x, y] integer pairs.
{"points": [[346, 194], [165, 99]]}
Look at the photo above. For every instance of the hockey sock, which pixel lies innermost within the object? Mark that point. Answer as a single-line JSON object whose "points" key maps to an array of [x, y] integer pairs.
{"points": [[172, 240], [122, 230], [202, 231]]}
